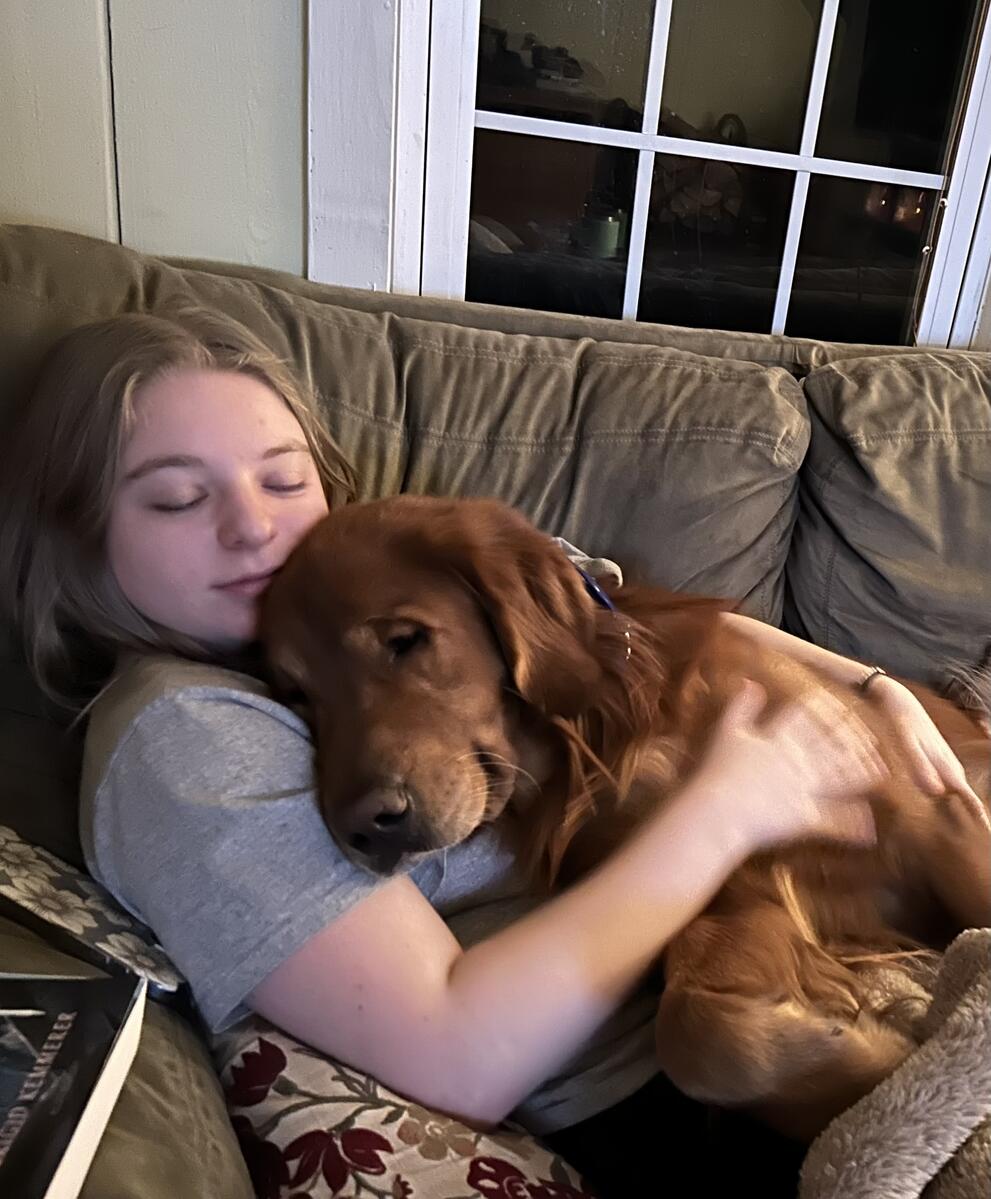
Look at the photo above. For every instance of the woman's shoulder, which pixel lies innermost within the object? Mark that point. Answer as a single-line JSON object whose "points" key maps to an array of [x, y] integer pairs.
{"points": [[161, 696], [172, 737], [144, 679]]}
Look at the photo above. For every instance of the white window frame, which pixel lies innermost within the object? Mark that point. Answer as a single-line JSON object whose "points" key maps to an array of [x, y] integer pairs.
{"points": [[412, 232]]}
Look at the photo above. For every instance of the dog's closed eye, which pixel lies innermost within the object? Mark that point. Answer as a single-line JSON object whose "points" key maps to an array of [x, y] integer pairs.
{"points": [[405, 643], [403, 638]]}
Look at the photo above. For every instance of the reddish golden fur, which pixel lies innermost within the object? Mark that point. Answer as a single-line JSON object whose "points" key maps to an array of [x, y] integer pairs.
{"points": [[452, 662]]}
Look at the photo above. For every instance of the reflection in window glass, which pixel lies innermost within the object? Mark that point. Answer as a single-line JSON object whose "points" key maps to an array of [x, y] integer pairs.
{"points": [[584, 61], [859, 261], [549, 223], [894, 74], [739, 73], [715, 235]]}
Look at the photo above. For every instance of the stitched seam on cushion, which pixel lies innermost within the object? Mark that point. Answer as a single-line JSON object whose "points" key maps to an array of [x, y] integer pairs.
{"points": [[916, 360], [768, 440], [240, 285], [672, 358], [23, 293], [865, 440]]}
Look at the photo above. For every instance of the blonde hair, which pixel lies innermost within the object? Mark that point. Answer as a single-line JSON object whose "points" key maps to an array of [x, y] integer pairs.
{"points": [[61, 473]]}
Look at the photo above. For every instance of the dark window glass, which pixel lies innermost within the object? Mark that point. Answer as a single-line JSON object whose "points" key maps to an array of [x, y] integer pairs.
{"points": [[739, 72], [715, 236], [894, 75], [859, 261], [549, 223], [584, 61]]}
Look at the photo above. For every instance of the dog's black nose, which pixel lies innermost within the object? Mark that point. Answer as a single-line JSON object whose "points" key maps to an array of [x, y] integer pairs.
{"points": [[380, 826]]}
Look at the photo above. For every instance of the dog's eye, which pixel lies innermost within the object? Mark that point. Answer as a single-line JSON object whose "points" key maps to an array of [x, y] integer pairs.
{"points": [[402, 644]]}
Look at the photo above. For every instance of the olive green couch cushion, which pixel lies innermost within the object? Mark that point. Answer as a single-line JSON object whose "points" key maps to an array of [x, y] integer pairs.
{"points": [[891, 557]]}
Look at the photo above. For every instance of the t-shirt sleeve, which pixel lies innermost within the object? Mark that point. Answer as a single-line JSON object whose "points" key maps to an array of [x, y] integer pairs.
{"points": [[206, 826]]}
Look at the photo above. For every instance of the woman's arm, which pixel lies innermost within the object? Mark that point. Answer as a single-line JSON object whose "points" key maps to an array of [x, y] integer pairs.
{"points": [[387, 988], [841, 669], [935, 766]]}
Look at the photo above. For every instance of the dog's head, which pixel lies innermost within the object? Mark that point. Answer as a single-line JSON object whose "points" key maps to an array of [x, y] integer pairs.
{"points": [[433, 641]]}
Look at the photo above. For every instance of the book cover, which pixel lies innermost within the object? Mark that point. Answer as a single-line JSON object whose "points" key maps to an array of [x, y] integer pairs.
{"points": [[66, 1045]]}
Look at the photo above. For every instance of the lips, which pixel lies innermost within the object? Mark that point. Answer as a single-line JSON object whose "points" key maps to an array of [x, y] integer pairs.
{"points": [[247, 585]]}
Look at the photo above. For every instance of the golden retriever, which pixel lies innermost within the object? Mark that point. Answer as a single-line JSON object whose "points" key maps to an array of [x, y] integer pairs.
{"points": [[454, 663]]}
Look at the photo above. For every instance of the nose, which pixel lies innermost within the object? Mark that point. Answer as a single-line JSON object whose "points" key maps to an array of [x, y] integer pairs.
{"points": [[381, 825], [246, 522]]}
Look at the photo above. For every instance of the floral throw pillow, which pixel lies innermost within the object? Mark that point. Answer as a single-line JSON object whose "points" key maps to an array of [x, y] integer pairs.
{"points": [[75, 913], [311, 1128]]}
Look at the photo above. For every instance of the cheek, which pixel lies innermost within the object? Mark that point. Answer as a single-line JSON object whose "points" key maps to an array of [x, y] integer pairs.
{"points": [[147, 558], [298, 522]]}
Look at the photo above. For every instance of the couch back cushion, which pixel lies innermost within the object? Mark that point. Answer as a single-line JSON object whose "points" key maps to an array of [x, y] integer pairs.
{"points": [[891, 559], [680, 466]]}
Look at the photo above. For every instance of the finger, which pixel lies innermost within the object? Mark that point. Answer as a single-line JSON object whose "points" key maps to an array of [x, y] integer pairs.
{"points": [[925, 771], [746, 706], [961, 787], [865, 763], [949, 770]]}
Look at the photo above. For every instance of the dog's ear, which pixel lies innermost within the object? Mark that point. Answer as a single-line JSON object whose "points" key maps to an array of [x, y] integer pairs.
{"points": [[535, 599], [283, 637]]}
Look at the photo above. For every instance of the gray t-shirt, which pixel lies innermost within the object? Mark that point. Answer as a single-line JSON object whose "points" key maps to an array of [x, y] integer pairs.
{"points": [[198, 812]]}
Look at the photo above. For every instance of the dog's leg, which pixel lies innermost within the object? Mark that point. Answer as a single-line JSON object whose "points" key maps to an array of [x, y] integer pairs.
{"points": [[956, 861], [791, 1066], [958, 857], [756, 1017]]}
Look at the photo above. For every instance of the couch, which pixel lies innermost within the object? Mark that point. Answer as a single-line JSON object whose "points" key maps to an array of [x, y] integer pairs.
{"points": [[842, 491]]}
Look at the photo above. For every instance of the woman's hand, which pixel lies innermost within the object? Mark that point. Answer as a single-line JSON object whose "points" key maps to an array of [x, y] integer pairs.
{"points": [[935, 767], [804, 773]]}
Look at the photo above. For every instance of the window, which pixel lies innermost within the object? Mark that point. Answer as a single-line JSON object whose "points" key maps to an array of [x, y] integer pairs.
{"points": [[809, 167]]}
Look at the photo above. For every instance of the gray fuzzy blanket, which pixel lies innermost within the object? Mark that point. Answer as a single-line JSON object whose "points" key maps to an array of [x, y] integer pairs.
{"points": [[926, 1130]]}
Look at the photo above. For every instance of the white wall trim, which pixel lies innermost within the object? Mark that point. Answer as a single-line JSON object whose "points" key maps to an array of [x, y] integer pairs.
{"points": [[975, 294], [350, 121], [958, 250], [409, 144], [450, 144]]}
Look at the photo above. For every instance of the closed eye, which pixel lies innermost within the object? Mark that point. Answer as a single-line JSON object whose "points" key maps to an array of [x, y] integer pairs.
{"points": [[403, 644], [180, 507]]}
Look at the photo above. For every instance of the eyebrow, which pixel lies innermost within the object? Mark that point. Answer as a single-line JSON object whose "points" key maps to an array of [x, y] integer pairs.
{"points": [[188, 460]]}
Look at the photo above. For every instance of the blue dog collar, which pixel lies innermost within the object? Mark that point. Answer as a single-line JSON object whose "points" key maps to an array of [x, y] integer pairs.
{"points": [[595, 591]]}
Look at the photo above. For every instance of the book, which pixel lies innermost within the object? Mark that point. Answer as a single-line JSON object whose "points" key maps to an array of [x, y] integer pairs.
{"points": [[66, 1045]]}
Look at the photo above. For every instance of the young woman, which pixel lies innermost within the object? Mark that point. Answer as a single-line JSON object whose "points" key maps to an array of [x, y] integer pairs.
{"points": [[162, 473]]}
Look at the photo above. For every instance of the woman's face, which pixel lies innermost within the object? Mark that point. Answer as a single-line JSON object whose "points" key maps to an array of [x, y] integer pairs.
{"points": [[216, 486]]}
